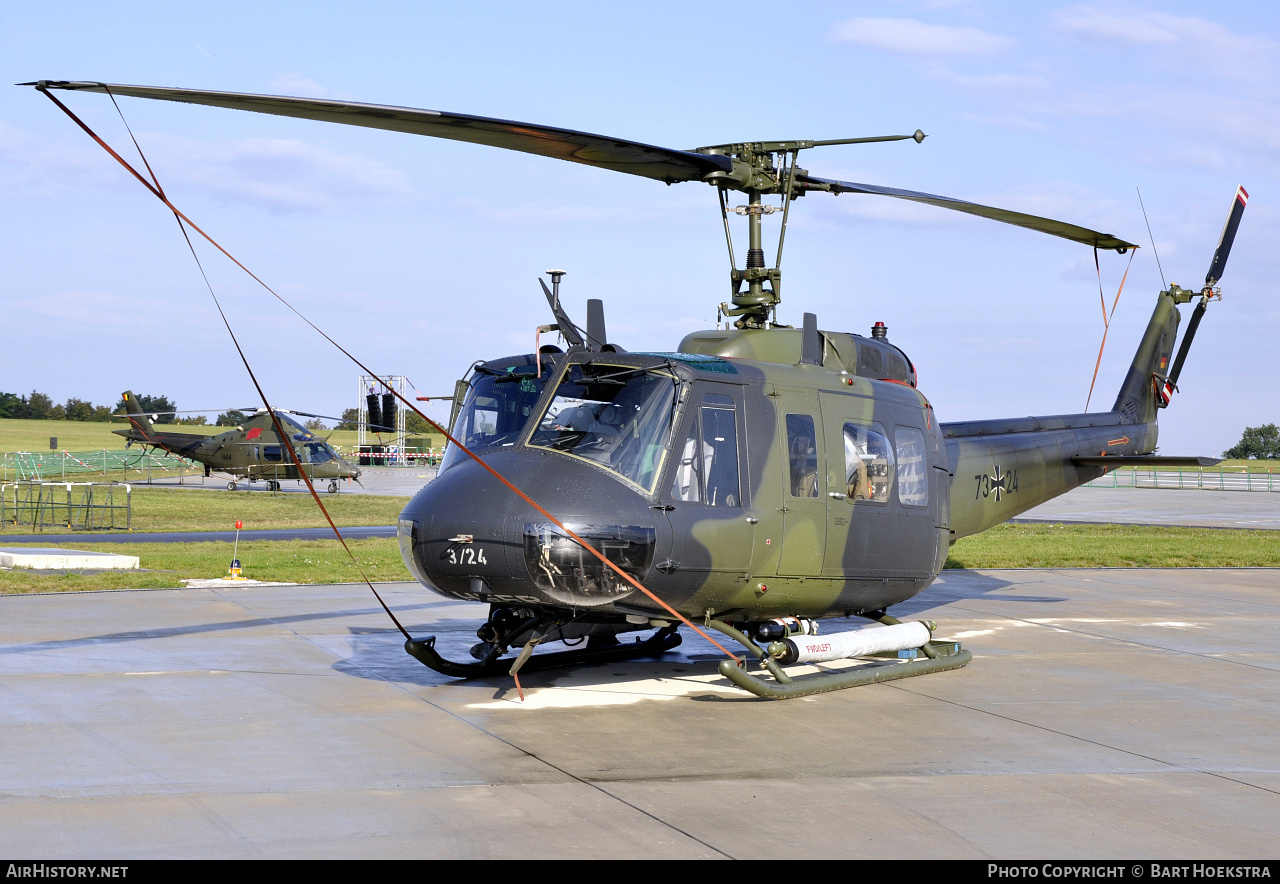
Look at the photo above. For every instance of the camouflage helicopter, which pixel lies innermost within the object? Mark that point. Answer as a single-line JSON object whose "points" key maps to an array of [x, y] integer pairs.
{"points": [[250, 451], [759, 479]]}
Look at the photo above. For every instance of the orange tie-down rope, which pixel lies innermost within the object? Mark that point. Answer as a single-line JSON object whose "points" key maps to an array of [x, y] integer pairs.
{"points": [[1106, 320], [159, 194]]}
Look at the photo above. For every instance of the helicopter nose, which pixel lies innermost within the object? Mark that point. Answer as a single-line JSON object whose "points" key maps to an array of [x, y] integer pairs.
{"points": [[468, 536]]}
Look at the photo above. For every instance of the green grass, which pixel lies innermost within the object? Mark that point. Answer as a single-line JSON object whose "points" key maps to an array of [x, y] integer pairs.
{"points": [[1115, 546], [1007, 546], [168, 564], [178, 509], [1231, 466], [22, 435]]}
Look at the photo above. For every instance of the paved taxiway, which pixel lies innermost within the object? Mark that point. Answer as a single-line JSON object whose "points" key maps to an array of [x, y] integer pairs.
{"points": [[1162, 506], [393, 481], [1107, 713]]}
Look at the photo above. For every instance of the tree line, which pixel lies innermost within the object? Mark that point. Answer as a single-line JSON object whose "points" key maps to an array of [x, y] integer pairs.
{"points": [[40, 407], [1260, 443]]}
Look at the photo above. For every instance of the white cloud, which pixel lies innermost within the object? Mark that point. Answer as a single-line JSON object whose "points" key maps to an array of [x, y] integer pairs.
{"points": [[1203, 43], [1012, 121], [297, 86], [107, 311], [993, 82], [917, 37], [32, 164], [276, 174], [279, 175]]}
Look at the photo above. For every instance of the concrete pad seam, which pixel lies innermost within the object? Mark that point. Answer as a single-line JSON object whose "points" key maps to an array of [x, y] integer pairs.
{"points": [[526, 752], [1124, 641], [1173, 765]]}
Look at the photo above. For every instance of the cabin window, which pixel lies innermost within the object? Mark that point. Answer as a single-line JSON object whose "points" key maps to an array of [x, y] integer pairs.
{"points": [[707, 471], [496, 411], [913, 467], [618, 417], [272, 453], [802, 454], [868, 463]]}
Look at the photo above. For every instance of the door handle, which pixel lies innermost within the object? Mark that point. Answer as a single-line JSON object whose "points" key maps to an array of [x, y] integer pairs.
{"points": [[836, 494], [751, 520]]}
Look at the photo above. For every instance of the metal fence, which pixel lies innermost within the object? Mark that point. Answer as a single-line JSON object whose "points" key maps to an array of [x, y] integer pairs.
{"points": [[1208, 480], [87, 506], [42, 465]]}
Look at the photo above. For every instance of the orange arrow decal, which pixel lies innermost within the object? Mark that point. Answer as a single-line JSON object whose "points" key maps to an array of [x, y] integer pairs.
{"points": [[1123, 440]]}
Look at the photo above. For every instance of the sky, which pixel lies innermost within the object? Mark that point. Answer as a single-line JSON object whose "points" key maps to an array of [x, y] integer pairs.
{"points": [[421, 256]]}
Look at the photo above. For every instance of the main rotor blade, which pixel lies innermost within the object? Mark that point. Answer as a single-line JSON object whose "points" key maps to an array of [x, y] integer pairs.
{"points": [[1031, 222], [616, 154], [1219, 263]]}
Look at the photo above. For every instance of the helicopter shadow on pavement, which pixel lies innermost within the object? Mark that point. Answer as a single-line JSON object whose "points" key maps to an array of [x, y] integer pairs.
{"points": [[378, 652], [962, 585]]}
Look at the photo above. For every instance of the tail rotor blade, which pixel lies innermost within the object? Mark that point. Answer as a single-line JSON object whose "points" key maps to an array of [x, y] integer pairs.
{"points": [[1228, 237], [1187, 337]]}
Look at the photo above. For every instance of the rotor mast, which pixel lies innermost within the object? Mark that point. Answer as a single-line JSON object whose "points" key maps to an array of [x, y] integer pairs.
{"points": [[760, 168]]}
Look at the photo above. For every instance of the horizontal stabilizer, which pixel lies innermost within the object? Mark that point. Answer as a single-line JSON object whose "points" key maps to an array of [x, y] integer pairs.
{"points": [[1146, 460]]}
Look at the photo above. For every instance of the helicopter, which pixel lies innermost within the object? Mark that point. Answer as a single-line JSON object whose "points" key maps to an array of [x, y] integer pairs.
{"points": [[250, 451], [759, 478]]}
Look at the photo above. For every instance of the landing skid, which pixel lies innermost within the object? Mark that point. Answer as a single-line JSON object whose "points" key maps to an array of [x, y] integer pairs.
{"points": [[425, 652]]}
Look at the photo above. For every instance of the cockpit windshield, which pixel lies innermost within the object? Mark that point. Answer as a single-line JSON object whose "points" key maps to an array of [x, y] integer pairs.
{"points": [[496, 411], [616, 416]]}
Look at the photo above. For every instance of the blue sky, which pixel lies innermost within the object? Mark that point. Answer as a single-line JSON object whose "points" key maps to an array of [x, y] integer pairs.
{"points": [[421, 256]]}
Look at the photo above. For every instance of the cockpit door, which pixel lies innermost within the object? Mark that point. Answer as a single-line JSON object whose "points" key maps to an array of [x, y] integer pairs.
{"points": [[706, 488]]}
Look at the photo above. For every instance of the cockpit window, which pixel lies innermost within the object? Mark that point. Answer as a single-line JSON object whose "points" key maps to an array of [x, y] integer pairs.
{"points": [[615, 416], [496, 411], [319, 452]]}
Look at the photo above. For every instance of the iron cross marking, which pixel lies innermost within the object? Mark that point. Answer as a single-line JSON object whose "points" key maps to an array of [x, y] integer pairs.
{"points": [[998, 483]]}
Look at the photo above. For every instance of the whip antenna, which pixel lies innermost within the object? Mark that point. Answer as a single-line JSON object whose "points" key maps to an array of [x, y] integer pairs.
{"points": [[1152, 237]]}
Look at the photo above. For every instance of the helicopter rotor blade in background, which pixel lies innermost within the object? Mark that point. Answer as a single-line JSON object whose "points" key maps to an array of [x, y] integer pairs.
{"points": [[1019, 219], [616, 154], [1219, 262]]}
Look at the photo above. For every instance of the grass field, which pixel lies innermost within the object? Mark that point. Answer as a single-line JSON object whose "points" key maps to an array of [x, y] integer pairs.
{"points": [[18, 435], [1115, 546], [1007, 546], [168, 564], [177, 509]]}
